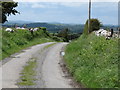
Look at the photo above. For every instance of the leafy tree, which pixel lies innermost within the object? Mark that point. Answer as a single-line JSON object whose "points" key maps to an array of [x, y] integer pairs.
{"points": [[45, 30], [24, 25], [64, 33], [6, 9], [94, 25]]}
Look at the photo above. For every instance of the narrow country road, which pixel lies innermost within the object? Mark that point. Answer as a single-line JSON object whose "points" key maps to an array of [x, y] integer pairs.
{"points": [[49, 72], [11, 70]]}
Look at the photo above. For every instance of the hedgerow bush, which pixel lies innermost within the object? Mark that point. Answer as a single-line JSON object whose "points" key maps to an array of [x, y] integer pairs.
{"points": [[13, 42]]}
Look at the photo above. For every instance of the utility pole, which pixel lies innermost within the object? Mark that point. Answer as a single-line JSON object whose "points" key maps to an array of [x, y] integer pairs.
{"points": [[89, 14]]}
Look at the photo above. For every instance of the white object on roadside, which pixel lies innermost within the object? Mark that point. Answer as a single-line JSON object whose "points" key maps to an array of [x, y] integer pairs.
{"points": [[62, 53]]}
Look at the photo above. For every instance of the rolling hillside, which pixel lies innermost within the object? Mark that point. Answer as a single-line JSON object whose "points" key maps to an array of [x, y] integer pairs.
{"points": [[51, 27], [54, 27]]}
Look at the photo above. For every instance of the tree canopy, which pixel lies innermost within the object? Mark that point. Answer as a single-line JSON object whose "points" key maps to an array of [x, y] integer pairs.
{"points": [[64, 33], [6, 9], [94, 25]]}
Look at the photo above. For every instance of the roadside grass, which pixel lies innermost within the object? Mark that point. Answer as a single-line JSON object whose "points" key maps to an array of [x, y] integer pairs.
{"points": [[28, 73], [50, 45], [21, 39], [93, 61]]}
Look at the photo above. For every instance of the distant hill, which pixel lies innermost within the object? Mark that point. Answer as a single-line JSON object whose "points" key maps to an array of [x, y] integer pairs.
{"points": [[54, 26], [51, 27], [17, 22], [58, 27], [114, 27]]}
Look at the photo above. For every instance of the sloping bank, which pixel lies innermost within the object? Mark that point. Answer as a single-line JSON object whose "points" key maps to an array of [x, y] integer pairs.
{"points": [[93, 61], [21, 39]]}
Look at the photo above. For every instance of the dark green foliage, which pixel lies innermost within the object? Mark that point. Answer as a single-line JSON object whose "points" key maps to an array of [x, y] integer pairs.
{"points": [[93, 61], [73, 36], [43, 28], [8, 9], [64, 34], [56, 38], [94, 25], [45, 31]]}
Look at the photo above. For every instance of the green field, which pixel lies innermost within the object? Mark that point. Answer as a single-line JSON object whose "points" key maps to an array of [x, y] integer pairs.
{"points": [[13, 42], [93, 61]]}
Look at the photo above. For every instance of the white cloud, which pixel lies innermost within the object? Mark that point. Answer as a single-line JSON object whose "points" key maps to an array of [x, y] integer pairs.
{"points": [[105, 0], [44, 5], [105, 5], [54, 4], [71, 4], [36, 5], [66, 0]]}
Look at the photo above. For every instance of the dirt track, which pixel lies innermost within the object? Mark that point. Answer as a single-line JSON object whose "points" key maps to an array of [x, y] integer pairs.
{"points": [[49, 72]]}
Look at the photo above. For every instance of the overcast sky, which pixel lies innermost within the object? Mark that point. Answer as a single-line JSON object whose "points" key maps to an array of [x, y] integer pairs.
{"points": [[66, 12]]}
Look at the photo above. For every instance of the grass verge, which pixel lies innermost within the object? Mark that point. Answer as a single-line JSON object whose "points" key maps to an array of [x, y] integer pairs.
{"points": [[93, 61], [28, 73]]}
